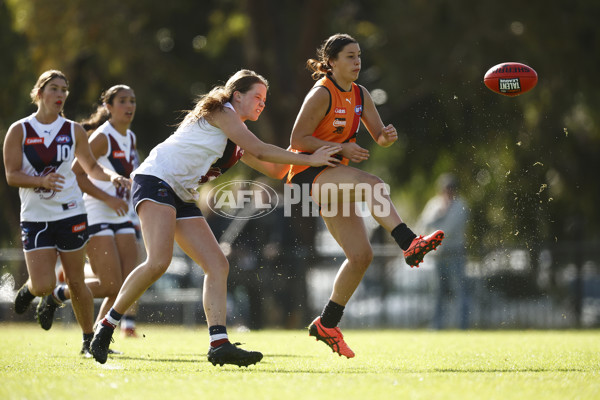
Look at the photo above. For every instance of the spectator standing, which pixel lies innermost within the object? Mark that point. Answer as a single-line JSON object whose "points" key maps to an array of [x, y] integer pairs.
{"points": [[448, 211]]}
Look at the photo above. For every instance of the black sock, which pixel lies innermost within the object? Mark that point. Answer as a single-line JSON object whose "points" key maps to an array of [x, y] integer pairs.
{"points": [[403, 236], [217, 329], [332, 314], [218, 335], [114, 314], [112, 318], [87, 337]]}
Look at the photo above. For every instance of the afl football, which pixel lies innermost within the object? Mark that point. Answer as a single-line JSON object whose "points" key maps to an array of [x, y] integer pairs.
{"points": [[510, 78]]}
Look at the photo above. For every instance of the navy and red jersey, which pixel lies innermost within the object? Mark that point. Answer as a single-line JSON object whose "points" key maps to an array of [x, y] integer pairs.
{"points": [[49, 148], [120, 157]]}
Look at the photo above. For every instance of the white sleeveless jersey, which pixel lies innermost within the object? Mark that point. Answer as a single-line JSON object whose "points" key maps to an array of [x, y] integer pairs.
{"points": [[120, 158], [194, 154], [47, 149]]}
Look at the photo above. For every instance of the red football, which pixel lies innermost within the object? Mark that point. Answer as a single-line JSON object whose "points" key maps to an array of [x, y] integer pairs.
{"points": [[510, 78]]}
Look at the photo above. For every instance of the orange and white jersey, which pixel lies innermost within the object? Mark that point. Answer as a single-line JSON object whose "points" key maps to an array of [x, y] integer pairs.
{"points": [[342, 120]]}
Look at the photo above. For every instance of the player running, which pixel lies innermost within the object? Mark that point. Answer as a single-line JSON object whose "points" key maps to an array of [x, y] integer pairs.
{"points": [[38, 153]]}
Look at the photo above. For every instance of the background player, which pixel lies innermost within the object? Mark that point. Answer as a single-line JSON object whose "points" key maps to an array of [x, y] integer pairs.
{"points": [[112, 249], [38, 153]]}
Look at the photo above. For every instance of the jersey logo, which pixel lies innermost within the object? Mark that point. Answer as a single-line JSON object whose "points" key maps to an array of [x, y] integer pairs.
{"points": [[118, 154], [34, 140], [78, 228], [358, 110], [63, 139], [339, 122], [45, 194], [339, 110], [70, 205], [348, 100]]}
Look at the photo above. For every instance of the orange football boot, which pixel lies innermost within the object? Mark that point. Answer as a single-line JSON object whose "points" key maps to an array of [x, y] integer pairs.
{"points": [[332, 337], [421, 246]]}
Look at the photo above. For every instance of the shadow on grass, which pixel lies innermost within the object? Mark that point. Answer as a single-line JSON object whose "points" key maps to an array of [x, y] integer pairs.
{"points": [[289, 356], [193, 358], [270, 361], [155, 359]]}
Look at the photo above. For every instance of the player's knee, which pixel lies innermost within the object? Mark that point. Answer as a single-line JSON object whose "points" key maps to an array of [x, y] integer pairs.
{"points": [[76, 287], [223, 267], [219, 268], [373, 180], [42, 288], [157, 269], [361, 256], [156, 264], [109, 289]]}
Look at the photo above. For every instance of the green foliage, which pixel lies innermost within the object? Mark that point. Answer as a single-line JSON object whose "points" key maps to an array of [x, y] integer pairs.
{"points": [[527, 165], [389, 365]]}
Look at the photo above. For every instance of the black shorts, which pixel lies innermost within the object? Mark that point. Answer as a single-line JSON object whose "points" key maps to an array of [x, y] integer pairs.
{"points": [[308, 176], [67, 234], [148, 187]]}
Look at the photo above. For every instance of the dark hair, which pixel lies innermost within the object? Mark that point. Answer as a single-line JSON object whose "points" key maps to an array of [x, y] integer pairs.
{"points": [[101, 115], [242, 81], [329, 50], [447, 181], [43, 81]]}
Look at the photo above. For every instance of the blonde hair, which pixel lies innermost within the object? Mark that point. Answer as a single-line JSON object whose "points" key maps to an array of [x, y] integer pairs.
{"points": [[242, 81]]}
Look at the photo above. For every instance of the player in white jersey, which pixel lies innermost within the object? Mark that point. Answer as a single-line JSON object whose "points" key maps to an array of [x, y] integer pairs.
{"points": [[112, 249], [211, 138], [38, 153]]}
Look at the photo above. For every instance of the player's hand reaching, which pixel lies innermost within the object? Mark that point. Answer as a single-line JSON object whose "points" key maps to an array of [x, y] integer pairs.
{"points": [[354, 152], [53, 181], [325, 156], [120, 181], [119, 205]]}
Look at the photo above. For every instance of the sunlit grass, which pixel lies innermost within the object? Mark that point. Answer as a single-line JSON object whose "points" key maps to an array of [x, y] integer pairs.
{"points": [[170, 362]]}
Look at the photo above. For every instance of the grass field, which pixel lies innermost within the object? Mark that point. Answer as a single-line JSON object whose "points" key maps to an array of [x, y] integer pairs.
{"points": [[170, 363]]}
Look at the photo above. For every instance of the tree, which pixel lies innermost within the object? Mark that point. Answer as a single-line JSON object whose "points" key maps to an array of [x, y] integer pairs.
{"points": [[528, 163]]}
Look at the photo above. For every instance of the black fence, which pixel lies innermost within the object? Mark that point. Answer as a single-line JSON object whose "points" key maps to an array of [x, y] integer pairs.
{"points": [[557, 288]]}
